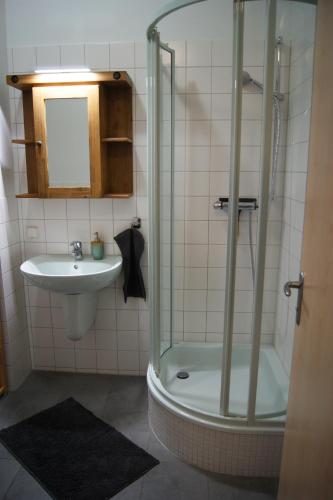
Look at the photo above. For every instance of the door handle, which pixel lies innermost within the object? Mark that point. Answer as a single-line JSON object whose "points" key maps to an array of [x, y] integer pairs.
{"points": [[299, 285]]}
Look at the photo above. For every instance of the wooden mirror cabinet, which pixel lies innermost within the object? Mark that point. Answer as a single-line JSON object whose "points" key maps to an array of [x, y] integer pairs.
{"points": [[103, 101]]}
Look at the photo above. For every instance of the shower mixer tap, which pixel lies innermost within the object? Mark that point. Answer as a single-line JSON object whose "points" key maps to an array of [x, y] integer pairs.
{"points": [[243, 204], [249, 205]]}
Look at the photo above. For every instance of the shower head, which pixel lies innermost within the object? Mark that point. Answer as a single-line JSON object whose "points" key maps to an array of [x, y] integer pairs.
{"points": [[248, 80]]}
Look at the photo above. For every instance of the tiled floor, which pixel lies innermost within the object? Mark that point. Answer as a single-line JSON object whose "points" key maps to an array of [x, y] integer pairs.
{"points": [[122, 402]]}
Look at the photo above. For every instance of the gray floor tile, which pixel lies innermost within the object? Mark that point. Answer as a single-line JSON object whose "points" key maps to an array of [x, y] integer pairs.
{"points": [[218, 490], [121, 401], [252, 495], [241, 488], [4, 453], [132, 492], [140, 438], [159, 491], [131, 422], [8, 471], [25, 487], [95, 404], [185, 495], [129, 393], [182, 478], [19, 405], [128, 383], [159, 451], [126, 404], [43, 381], [87, 384]]}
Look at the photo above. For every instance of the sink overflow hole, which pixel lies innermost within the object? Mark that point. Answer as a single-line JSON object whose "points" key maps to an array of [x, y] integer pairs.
{"points": [[183, 375]]}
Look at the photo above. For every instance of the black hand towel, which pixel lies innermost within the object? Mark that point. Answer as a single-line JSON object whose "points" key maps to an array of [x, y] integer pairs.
{"points": [[131, 244]]}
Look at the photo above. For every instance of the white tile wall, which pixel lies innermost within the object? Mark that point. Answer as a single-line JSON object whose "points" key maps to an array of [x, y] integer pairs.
{"points": [[72, 56], [48, 57], [119, 341], [300, 89], [202, 164], [12, 303], [97, 56]]}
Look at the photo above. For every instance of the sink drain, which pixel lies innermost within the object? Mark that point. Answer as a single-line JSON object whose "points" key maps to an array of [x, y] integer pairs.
{"points": [[182, 375]]}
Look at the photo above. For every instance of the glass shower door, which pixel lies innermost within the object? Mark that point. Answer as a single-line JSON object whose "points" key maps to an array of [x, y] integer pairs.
{"points": [[160, 161], [240, 374], [166, 126]]}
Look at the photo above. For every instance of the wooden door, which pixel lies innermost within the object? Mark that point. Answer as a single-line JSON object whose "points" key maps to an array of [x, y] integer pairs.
{"points": [[307, 463]]}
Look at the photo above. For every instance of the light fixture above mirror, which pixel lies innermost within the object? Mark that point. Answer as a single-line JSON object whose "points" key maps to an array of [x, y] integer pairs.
{"points": [[61, 70]]}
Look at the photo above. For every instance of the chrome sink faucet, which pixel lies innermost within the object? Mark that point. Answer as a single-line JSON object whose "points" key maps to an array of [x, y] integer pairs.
{"points": [[77, 250]]}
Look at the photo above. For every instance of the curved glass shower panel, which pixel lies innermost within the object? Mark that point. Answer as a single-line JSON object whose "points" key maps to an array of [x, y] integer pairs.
{"points": [[236, 369], [160, 131], [166, 126], [250, 372], [295, 30], [249, 167]]}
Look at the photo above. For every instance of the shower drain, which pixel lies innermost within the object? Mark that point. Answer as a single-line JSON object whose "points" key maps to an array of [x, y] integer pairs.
{"points": [[183, 375]]}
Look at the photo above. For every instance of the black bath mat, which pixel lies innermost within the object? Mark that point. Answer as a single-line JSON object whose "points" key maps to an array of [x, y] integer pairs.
{"points": [[75, 455]]}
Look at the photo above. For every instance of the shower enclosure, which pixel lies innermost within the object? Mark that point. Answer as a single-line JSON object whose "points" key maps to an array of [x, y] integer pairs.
{"points": [[219, 403]]}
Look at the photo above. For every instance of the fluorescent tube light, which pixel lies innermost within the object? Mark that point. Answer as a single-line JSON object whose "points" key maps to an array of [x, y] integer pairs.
{"points": [[63, 70]]}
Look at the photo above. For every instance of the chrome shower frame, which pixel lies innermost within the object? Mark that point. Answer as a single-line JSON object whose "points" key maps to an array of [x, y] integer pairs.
{"points": [[250, 419]]}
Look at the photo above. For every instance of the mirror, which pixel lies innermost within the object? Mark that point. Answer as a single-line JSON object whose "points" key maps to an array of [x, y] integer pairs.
{"points": [[67, 131]]}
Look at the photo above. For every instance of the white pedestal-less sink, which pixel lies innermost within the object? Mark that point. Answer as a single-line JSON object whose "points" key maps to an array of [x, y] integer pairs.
{"points": [[78, 281]]}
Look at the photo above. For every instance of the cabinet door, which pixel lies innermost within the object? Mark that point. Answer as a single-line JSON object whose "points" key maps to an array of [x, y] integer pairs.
{"points": [[66, 122]]}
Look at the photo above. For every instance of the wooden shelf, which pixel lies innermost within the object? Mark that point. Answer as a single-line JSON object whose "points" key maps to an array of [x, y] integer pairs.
{"points": [[116, 135], [28, 195], [25, 142], [110, 78], [106, 195], [118, 195], [117, 139]]}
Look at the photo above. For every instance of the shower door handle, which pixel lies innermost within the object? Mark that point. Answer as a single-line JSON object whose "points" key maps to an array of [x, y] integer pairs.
{"points": [[299, 285]]}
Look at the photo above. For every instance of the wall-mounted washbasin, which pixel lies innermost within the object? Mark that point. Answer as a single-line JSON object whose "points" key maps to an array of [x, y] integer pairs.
{"points": [[77, 281], [62, 274]]}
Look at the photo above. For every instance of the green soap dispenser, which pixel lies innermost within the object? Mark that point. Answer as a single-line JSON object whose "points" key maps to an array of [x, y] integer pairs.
{"points": [[97, 248]]}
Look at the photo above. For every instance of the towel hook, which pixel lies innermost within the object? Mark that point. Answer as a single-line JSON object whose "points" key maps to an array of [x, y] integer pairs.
{"points": [[136, 223]]}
